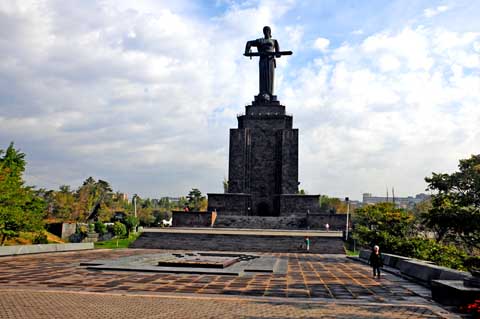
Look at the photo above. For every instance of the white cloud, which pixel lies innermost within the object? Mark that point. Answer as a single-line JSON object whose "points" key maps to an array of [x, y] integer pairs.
{"points": [[389, 62], [321, 44], [142, 94], [107, 89], [431, 12], [389, 110]]}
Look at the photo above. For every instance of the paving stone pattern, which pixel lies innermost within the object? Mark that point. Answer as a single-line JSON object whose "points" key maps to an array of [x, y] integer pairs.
{"points": [[47, 285], [30, 304]]}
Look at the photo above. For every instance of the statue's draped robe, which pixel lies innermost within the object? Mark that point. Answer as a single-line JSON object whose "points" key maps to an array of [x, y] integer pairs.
{"points": [[266, 64]]}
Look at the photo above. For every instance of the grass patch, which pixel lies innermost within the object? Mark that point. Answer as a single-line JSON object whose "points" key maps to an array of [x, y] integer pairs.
{"points": [[354, 253], [122, 242], [26, 238]]}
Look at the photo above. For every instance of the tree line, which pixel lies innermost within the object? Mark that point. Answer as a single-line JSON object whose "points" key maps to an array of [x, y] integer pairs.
{"points": [[27, 209], [444, 230]]}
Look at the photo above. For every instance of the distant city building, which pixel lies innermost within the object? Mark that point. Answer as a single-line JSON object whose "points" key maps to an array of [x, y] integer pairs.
{"points": [[121, 196], [402, 202]]}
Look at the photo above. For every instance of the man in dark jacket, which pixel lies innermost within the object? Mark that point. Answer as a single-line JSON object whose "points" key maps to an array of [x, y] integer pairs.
{"points": [[376, 261]]}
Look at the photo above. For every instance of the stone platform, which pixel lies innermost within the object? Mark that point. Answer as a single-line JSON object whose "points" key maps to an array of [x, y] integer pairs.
{"points": [[207, 263], [244, 240], [55, 285]]}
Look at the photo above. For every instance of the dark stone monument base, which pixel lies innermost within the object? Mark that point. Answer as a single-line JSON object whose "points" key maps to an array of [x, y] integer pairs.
{"points": [[287, 221], [298, 204], [240, 204], [191, 219], [291, 222], [263, 165], [230, 203]]}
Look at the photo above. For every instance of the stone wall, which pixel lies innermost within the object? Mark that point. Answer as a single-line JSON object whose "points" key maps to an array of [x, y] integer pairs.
{"points": [[423, 272], [261, 222], [44, 248], [315, 221], [62, 230], [335, 221], [247, 243], [191, 219], [229, 204], [299, 204]]}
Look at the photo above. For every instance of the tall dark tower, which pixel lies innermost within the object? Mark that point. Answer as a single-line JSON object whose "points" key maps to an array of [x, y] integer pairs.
{"points": [[263, 159]]}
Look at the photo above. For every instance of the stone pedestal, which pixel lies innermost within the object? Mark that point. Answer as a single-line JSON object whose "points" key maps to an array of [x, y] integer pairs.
{"points": [[263, 166], [92, 237]]}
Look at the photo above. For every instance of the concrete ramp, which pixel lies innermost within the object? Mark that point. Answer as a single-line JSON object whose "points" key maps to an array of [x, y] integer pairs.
{"points": [[251, 240]]}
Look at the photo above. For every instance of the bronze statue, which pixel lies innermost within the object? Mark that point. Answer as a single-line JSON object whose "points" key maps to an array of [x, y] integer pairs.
{"points": [[268, 49]]}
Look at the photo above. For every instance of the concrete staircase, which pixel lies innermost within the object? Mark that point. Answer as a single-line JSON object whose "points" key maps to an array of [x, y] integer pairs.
{"points": [[255, 242]]}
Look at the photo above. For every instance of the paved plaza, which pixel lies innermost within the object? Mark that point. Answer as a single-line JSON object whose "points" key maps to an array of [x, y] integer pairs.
{"points": [[329, 286]]}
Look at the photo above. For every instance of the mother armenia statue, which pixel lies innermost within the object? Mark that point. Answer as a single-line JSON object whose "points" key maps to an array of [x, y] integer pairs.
{"points": [[268, 49]]}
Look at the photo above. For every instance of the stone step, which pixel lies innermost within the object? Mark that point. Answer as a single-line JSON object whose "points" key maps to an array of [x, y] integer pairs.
{"points": [[234, 242]]}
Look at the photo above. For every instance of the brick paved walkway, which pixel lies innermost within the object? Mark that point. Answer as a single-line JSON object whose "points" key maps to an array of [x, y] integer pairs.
{"points": [[55, 286]]}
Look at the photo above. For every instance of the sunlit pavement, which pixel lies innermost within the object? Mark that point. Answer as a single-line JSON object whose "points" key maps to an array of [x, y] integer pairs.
{"points": [[328, 286]]}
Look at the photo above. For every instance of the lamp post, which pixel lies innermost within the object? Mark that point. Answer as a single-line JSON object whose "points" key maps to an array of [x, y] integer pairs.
{"points": [[348, 212], [135, 205]]}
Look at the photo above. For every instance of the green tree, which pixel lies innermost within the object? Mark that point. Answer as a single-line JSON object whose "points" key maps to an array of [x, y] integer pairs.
{"points": [[20, 208], [455, 212], [381, 223], [131, 222], [195, 199], [165, 203], [119, 230], [100, 228], [63, 207], [332, 205], [90, 195]]}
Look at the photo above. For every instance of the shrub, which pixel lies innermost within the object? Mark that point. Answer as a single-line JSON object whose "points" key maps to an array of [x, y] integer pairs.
{"points": [[472, 263], [82, 229], [119, 230], [40, 238], [131, 223], [100, 228]]}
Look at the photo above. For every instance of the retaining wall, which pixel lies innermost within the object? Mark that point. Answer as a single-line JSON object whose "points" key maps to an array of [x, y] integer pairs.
{"points": [[46, 248], [313, 221], [229, 242], [423, 272]]}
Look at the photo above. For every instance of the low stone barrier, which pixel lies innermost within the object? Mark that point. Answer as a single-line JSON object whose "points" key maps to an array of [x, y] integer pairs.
{"points": [[421, 271], [46, 248], [191, 219], [447, 284]]}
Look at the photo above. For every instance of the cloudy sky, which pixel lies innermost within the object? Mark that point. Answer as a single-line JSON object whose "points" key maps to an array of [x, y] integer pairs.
{"points": [[143, 93]]}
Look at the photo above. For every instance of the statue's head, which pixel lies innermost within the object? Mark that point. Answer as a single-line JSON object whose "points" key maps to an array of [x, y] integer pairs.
{"points": [[267, 32]]}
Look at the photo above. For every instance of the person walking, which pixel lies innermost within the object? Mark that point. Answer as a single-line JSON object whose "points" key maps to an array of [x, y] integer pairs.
{"points": [[307, 244], [376, 261]]}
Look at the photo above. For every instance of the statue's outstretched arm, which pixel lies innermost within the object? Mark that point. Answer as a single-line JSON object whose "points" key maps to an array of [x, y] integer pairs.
{"points": [[249, 45]]}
